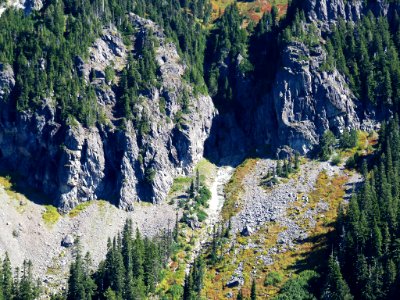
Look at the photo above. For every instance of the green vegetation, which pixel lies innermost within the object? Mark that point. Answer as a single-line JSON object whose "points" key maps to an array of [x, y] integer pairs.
{"points": [[273, 278], [79, 208], [300, 287], [181, 184], [20, 285], [227, 41], [371, 224], [5, 182], [194, 281], [43, 58], [348, 139], [44, 46], [234, 189], [50, 215], [367, 54], [328, 141], [131, 269], [196, 199]]}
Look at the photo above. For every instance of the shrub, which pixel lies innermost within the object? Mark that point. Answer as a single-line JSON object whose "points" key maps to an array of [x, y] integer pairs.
{"points": [[273, 278], [351, 162], [204, 196], [348, 139], [149, 175], [202, 215], [51, 215], [336, 160]]}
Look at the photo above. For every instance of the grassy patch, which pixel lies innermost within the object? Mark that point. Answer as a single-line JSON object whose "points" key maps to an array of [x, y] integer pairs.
{"points": [[51, 215], [5, 182], [79, 208], [365, 143], [234, 189], [206, 170], [180, 185]]}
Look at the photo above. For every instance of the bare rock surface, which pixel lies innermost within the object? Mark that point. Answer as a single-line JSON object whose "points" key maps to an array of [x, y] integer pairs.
{"points": [[308, 101]]}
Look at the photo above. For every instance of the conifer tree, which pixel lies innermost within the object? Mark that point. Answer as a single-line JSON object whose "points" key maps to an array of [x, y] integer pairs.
{"points": [[253, 294], [240, 295], [7, 278], [336, 287]]}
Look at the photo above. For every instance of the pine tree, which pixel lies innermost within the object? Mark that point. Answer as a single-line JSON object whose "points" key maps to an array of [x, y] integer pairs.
{"points": [[176, 228], [240, 295], [253, 294], [27, 288], [336, 287], [7, 278]]}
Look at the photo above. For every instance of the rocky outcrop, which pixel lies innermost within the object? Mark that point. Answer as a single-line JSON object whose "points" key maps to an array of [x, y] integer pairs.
{"points": [[26, 5], [112, 160], [309, 100], [327, 12], [7, 81]]}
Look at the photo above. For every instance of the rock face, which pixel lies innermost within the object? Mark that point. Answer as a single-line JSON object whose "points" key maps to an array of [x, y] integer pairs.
{"points": [[308, 100], [73, 164], [332, 10], [26, 5], [327, 12]]}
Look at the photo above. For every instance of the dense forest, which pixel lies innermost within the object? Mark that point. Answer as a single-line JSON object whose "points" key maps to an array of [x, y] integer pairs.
{"points": [[131, 270]]}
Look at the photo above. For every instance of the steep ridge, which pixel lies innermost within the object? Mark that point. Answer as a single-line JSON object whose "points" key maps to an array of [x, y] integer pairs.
{"points": [[304, 98], [72, 164]]}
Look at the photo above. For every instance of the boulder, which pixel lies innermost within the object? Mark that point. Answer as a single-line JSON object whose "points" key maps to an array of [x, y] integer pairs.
{"points": [[235, 281], [247, 231], [68, 241]]}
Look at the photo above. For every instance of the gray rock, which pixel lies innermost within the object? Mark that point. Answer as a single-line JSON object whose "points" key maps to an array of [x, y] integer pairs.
{"points": [[235, 281], [68, 241], [327, 12], [7, 81], [309, 101], [31, 5], [247, 231]]}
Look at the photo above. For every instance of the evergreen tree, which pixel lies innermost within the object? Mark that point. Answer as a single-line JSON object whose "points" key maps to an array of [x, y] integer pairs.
{"points": [[7, 278], [335, 287], [253, 294], [240, 295]]}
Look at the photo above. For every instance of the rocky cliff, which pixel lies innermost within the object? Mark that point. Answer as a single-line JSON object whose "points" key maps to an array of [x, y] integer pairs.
{"points": [[327, 12], [309, 100], [111, 160]]}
